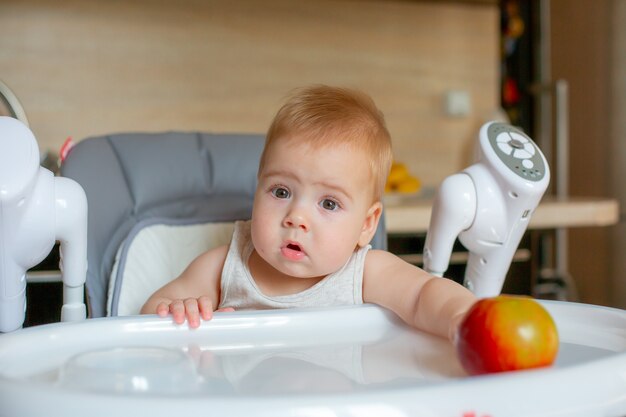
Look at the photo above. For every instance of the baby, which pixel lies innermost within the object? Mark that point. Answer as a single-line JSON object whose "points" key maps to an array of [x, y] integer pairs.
{"points": [[316, 208]]}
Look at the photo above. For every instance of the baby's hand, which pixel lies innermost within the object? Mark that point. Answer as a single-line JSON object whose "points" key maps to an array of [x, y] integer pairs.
{"points": [[191, 308]]}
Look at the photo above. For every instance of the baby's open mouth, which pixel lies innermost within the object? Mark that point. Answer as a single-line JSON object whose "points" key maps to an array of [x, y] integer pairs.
{"points": [[293, 247], [293, 251]]}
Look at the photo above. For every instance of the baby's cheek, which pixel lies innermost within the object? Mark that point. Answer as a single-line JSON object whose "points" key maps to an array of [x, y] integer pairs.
{"points": [[259, 237], [338, 252]]}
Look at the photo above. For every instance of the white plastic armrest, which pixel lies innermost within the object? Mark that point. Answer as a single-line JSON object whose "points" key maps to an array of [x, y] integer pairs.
{"points": [[454, 210], [71, 231]]}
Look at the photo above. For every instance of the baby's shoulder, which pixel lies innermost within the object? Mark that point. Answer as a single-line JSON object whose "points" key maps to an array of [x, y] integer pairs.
{"points": [[216, 255], [377, 260]]}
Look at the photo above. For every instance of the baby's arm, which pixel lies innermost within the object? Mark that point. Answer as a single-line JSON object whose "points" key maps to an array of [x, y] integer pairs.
{"points": [[435, 305], [194, 294]]}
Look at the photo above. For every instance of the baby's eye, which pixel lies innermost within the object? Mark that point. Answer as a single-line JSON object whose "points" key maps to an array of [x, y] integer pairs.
{"points": [[280, 192], [328, 204]]}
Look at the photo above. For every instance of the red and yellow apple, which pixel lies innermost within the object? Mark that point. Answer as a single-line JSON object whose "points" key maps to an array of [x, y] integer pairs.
{"points": [[506, 333]]}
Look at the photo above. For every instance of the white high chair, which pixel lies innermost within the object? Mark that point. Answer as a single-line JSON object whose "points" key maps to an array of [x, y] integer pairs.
{"points": [[356, 361], [157, 200]]}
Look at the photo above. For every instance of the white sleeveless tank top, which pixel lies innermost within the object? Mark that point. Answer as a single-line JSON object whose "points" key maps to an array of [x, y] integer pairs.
{"points": [[238, 289]]}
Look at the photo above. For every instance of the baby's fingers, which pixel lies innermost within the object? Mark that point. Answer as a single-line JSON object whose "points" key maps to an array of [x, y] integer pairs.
{"points": [[163, 309], [206, 307], [177, 308], [193, 312]]}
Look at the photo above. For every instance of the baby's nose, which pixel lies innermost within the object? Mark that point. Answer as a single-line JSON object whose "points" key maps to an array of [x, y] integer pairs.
{"points": [[296, 219]]}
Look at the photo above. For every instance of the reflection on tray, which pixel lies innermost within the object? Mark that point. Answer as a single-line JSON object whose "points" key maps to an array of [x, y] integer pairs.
{"points": [[402, 360]]}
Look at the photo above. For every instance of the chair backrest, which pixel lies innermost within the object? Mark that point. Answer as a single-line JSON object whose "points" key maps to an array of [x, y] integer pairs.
{"points": [[137, 180]]}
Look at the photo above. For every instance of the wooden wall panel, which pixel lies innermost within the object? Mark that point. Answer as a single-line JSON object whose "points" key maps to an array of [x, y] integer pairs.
{"points": [[617, 159], [88, 67], [581, 55]]}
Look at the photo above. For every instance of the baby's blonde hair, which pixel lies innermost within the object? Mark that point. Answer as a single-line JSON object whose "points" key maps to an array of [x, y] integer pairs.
{"points": [[327, 116]]}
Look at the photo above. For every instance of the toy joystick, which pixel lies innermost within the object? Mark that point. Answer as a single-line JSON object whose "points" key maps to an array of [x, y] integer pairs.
{"points": [[36, 209], [488, 206]]}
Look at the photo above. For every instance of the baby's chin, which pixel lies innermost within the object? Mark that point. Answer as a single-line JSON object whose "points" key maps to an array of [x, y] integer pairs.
{"points": [[300, 273]]}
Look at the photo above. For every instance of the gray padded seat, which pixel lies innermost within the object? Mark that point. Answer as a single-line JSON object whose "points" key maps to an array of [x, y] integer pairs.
{"points": [[173, 176]]}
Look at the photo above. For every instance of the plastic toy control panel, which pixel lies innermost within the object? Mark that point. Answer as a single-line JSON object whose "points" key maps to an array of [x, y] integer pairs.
{"points": [[517, 151]]}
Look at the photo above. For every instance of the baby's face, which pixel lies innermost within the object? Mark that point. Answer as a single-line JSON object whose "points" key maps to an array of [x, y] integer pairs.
{"points": [[310, 207]]}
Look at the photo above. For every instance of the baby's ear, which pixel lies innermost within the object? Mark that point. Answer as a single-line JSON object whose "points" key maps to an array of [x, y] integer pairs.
{"points": [[370, 224]]}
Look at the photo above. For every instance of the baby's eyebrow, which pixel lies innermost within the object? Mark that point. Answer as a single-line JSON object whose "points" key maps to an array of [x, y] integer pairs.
{"points": [[335, 187], [279, 173]]}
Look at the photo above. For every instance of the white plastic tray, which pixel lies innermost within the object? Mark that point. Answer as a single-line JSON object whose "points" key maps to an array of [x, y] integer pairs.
{"points": [[351, 361]]}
